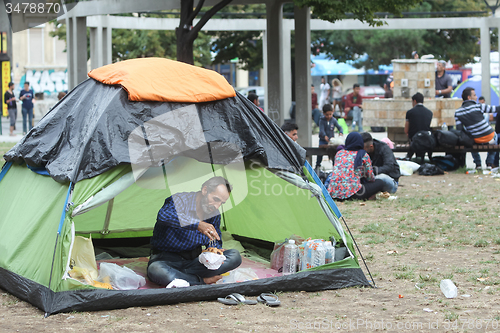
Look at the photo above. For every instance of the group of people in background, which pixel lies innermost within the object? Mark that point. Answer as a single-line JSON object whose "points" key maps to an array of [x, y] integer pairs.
{"points": [[26, 97]]}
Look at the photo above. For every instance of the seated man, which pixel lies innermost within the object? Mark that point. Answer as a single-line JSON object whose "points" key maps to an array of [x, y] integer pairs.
{"points": [[290, 130], [187, 221], [470, 117], [418, 119], [385, 166]]}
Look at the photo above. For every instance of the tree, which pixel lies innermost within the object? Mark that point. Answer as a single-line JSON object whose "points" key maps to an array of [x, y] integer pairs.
{"points": [[371, 48], [187, 33]]}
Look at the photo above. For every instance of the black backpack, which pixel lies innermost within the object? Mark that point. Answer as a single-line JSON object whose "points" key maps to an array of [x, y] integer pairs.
{"points": [[446, 139], [464, 139], [423, 142]]}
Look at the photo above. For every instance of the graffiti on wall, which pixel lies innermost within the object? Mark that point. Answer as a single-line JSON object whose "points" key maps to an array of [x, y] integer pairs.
{"points": [[49, 81]]}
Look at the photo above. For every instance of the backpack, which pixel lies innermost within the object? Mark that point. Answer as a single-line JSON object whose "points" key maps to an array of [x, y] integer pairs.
{"points": [[446, 139], [446, 163], [423, 142], [464, 139]]}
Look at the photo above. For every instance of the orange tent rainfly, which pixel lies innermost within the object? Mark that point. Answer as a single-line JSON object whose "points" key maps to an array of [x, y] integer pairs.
{"points": [[164, 80]]}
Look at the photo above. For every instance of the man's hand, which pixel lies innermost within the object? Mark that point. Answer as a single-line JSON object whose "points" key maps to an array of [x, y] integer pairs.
{"points": [[341, 134], [208, 230], [326, 138]]}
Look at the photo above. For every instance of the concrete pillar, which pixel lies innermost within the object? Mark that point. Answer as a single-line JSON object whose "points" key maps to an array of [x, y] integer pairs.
{"points": [[107, 45], [303, 75], [485, 61], [286, 72], [69, 52], [264, 72], [275, 85], [97, 45], [77, 57]]}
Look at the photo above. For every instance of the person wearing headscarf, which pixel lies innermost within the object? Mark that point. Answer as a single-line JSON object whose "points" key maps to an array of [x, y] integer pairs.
{"points": [[352, 176]]}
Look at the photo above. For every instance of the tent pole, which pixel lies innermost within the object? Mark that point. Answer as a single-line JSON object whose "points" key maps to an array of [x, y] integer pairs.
{"points": [[359, 251], [61, 222]]}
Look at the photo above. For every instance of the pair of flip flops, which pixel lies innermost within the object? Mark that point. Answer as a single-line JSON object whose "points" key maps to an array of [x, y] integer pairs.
{"points": [[235, 299]]}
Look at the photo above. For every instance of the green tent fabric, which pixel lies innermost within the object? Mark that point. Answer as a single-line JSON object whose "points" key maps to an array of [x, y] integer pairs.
{"points": [[94, 188]]}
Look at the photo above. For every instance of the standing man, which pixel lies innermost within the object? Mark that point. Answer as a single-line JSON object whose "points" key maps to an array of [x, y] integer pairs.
{"points": [[388, 86], [10, 100], [325, 93], [385, 166], [26, 96], [418, 119], [186, 222], [443, 81], [470, 117], [255, 100], [354, 102]]}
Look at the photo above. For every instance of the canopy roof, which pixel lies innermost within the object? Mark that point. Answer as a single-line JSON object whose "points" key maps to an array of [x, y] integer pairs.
{"points": [[164, 80]]}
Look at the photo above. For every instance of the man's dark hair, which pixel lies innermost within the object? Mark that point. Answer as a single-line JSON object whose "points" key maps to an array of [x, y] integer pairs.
{"points": [[467, 93], [11, 84], [418, 97], [367, 137], [288, 127], [356, 85], [214, 182], [327, 107], [27, 82], [252, 97], [482, 98]]}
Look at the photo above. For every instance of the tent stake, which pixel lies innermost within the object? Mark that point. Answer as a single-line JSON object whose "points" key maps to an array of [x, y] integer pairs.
{"points": [[359, 251]]}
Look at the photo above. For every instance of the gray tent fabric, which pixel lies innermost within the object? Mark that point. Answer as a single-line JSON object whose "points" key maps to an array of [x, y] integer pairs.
{"points": [[87, 133]]}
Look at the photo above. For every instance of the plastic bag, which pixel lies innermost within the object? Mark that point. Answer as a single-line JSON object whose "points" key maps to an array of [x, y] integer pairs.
{"points": [[83, 256], [344, 126], [122, 278], [430, 170], [239, 275], [211, 260]]}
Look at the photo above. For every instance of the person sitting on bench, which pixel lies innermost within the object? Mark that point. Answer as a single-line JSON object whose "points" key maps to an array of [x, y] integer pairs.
{"points": [[470, 118], [417, 119]]}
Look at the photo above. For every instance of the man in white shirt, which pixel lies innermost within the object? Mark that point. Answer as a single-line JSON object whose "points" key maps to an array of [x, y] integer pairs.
{"points": [[325, 93]]}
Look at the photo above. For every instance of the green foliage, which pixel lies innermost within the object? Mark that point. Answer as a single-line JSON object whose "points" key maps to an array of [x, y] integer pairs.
{"points": [[458, 45]]}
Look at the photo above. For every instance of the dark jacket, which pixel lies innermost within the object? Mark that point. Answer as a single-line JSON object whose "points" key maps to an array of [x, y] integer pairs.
{"points": [[383, 160], [327, 127]]}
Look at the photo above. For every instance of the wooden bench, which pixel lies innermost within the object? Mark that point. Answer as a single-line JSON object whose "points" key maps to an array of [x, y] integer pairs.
{"points": [[403, 148]]}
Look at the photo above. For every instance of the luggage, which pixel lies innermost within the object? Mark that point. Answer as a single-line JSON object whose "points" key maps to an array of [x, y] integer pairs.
{"points": [[423, 142], [446, 139]]}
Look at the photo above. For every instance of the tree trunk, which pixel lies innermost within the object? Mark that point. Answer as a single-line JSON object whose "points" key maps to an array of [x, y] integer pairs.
{"points": [[186, 33], [185, 45]]}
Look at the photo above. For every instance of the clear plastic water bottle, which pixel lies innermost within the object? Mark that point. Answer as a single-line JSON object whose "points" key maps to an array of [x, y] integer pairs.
{"points": [[290, 258], [444, 127], [318, 253], [448, 288], [329, 252]]}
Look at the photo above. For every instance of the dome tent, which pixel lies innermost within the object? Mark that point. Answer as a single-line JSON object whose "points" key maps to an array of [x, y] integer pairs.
{"points": [[103, 160]]}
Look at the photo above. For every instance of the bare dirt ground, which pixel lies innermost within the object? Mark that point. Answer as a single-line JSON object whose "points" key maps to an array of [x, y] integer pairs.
{"points": [[439, 227]]}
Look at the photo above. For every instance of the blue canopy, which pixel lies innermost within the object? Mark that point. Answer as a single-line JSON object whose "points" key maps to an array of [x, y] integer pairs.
{"points": [[322, 65], [475, 82]]}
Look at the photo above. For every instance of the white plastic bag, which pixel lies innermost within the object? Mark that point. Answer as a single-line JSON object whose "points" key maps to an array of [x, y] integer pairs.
{"points": [[211, 260], [122, 278], [239, 275]]}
